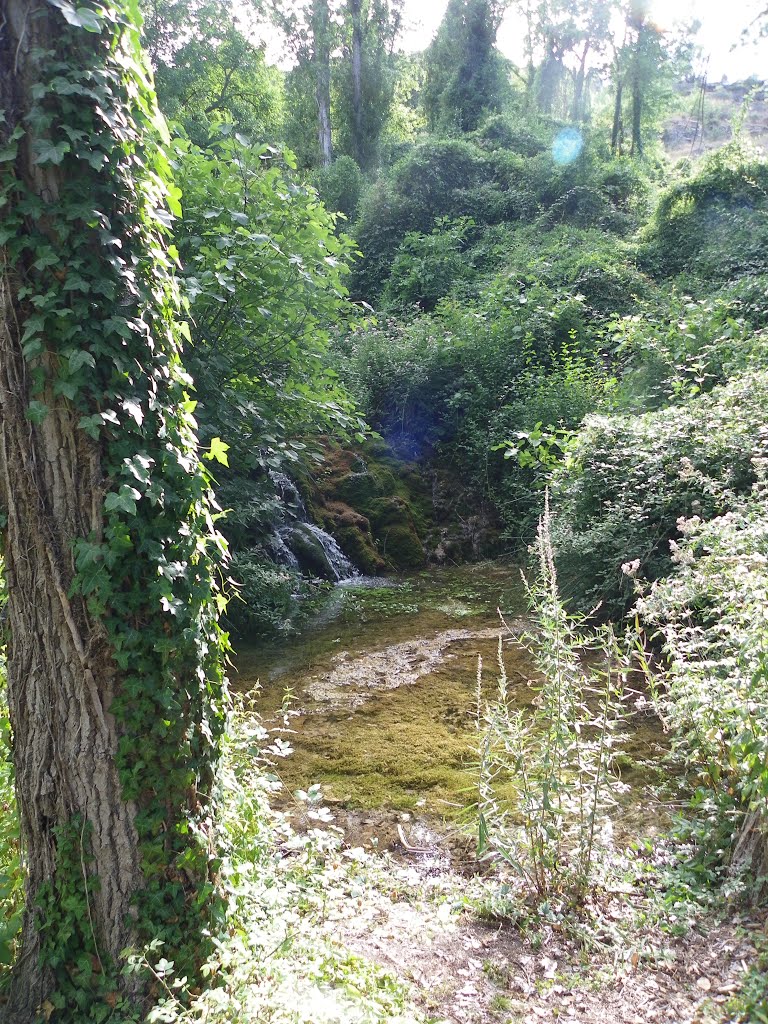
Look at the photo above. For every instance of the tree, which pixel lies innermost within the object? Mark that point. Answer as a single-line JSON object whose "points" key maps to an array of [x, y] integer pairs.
{"points": [[465, 73], [310, 38], [640, 67], [366, 76], [115, 686], [566, 35], [208, 71]]}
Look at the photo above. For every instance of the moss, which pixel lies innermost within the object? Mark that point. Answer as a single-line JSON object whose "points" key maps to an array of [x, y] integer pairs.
{"points": [[393, 526], [357, 489], [360, 549], [402, 548]]}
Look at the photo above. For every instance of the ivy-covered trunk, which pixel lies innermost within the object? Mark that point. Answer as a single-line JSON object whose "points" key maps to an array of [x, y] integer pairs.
{"points": [[358, 143], [321, 37], [114, 681]]}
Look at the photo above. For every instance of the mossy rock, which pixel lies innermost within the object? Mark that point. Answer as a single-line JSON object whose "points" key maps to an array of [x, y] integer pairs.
{"points": [[360, 550], [353, 535], [394, 529], [356, 489]]}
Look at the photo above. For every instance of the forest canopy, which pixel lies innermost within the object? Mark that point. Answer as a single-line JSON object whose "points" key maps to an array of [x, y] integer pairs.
{"points": [[312, 339]]}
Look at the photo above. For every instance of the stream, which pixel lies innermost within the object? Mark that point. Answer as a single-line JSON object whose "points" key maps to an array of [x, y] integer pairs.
{"points": [[382, 699]]}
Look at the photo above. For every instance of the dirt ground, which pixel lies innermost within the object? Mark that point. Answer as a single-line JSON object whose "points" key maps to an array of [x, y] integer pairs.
{"points": [[466, 971]]}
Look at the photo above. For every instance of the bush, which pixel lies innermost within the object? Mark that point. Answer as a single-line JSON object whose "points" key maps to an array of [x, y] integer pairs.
{"points": [[427, 267], [340, 186], [557, 753], [712, 611], [631, 478], [712, 225], [266, 599]]}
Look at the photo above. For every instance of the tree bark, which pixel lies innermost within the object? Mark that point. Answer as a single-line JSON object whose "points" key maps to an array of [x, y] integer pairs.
{"points": [[61, 678], [81, 836], [321, 31], [358, 145], [578, 91], [616, 131]]}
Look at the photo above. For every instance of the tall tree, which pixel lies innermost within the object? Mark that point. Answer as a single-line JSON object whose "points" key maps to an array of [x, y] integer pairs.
{"points": [[310, 38], [321, 45], [366, 76], [465, 73], [208, 70], [640, 69], [114, 680]]}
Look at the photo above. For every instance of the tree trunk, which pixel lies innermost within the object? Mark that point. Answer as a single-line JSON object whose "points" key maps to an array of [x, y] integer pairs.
{"points": [[749, 859], [321, 32], [637, 93], [617, 130], [358, 143], [86, 843], [61, 677], [578, 91]]}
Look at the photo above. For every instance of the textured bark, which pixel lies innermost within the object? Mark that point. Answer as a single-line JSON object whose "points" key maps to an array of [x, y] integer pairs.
{"points": [[358, 145], [61, 679], [749, 859], [321, 30], [578, 90], [617, 130]]}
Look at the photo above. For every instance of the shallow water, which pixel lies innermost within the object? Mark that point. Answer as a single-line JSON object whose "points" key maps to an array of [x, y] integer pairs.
{"points": [[383, 696]]}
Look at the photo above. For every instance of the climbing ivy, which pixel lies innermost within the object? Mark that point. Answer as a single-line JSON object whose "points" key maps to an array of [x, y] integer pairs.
{"points": [[99, 306]]}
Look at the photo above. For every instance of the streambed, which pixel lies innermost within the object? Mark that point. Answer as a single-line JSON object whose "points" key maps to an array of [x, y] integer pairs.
{"points": [[383, 698]]}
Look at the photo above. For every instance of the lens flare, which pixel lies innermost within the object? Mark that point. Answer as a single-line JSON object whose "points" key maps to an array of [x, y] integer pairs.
{"points": [[567, 146]]}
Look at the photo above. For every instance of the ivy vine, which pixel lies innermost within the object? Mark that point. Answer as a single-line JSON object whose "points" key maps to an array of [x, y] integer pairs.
{"points": [[100, 308]]}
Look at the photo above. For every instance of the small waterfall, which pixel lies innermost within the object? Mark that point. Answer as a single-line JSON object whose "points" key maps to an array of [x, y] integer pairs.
{"points": [[338, 561], [302, 544]]}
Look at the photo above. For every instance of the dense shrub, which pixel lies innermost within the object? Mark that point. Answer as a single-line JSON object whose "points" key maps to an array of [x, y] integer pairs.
{"points": [[713, 225], [427, 267], [340, 186], [676, 346], [267, 599], [631, 478], [712, 612]]}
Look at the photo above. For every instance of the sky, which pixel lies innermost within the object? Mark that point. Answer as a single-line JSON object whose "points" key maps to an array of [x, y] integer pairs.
{"points": [[722, 22]]}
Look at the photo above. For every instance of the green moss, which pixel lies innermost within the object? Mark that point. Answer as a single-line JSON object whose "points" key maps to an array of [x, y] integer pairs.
{"points": [[360, 549]]}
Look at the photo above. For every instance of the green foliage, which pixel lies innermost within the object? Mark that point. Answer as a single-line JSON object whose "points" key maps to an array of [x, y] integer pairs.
{"points": [[264, 271], [498, 185], [427, 267], [207, 71], [712, 225], [269, 599], [148, 576], [465, 75], [632, 478], [340, 186], [360, 117], [713, 692], [676, 347], [557, 753]]}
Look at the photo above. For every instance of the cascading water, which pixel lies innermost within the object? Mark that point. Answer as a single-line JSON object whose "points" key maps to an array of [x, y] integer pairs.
{"points": [[302, 544]]}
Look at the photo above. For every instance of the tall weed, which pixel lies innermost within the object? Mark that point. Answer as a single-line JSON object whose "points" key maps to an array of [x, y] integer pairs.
{"points": [[557, 755]]}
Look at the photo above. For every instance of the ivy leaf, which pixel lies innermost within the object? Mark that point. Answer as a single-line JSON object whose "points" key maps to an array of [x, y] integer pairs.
{"points": [[79, 359], [123, 500], [133, 408], [8, 152], [51, 153], [140, 466], [37, 411], [79, 17]]}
